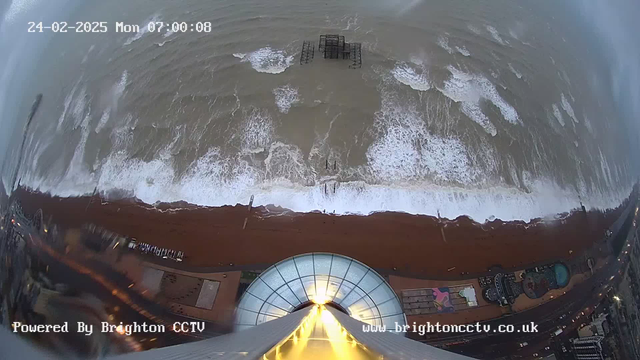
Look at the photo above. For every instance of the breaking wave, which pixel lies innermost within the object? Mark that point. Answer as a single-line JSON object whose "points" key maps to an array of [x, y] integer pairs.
{"points": [[408, 168], [143, 30], [443, 42], [469, 89], [496, 35], [285, 97], [415, 76], [267, 60]]}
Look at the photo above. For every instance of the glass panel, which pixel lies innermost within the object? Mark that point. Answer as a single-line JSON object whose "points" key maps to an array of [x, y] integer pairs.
{"points": [[260, 290], [351, 285], [389, 307], [382, 294], [297, 288], [366, 315], [359, 306], [371, 304], [355, 273], [355, 295], [272, 310], [372, 312], [304, 264], [343, 291], [265, 318], [322, 263], [391, 321], [310, 286], [339, 266], [288, 270], [370, 281], [272, 278], [247, 317], [278, 301], [334, 282], [251, 302], [288, 295], [376, 321]]}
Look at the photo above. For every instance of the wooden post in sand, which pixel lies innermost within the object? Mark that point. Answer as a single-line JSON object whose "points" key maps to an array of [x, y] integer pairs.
{"points": [[91, 198], [249, 211], [441, 227]]}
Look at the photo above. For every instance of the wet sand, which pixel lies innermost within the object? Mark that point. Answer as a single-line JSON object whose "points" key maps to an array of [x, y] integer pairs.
{"points": [[409, 244]]}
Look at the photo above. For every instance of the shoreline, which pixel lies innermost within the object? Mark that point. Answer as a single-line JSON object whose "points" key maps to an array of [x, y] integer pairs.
{"points": [[396, 243], [541, 199]]}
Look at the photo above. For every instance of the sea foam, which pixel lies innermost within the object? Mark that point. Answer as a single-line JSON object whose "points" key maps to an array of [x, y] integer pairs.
{"points": [[469, 89], [415, 76], [267, 60]]}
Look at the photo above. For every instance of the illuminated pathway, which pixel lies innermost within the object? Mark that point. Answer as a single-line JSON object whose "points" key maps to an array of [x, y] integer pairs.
{"points": [[320, 336]]}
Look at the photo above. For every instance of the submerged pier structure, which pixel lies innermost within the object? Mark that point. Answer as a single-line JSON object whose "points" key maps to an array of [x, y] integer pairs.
{"points": [[333, 46]]}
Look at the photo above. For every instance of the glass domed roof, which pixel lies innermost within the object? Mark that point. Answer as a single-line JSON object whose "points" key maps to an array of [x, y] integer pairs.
{"points": [[320, 278]]}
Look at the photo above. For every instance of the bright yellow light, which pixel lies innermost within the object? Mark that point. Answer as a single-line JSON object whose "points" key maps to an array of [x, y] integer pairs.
{"points": [[320, 336], [326, 317], [320, 298]]}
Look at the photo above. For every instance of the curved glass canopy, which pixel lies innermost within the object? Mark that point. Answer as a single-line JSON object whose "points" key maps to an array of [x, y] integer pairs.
{"points": [[320, 278]]}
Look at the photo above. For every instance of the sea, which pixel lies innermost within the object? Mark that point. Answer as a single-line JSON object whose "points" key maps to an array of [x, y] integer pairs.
{"points": [[490, 109]]}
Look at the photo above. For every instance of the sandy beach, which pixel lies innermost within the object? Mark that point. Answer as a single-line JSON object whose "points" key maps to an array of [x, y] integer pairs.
{"points": [[409, 244]]}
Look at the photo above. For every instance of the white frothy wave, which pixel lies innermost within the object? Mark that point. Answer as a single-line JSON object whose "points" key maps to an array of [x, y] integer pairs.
{"points": [[417, 77], [143, 30], [463, 50], [257, 131], [121, 86], [474, 112], [473, 29], [567, 107], [443, 42], [515, 72], [470, 89], [588, 125], [78, 111], [495, 35], [217, 180], [409, 169], [103, 120], [67, 105], [405, 151], [267, 60], [557, 114], [285, 97], [115, 95]]}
